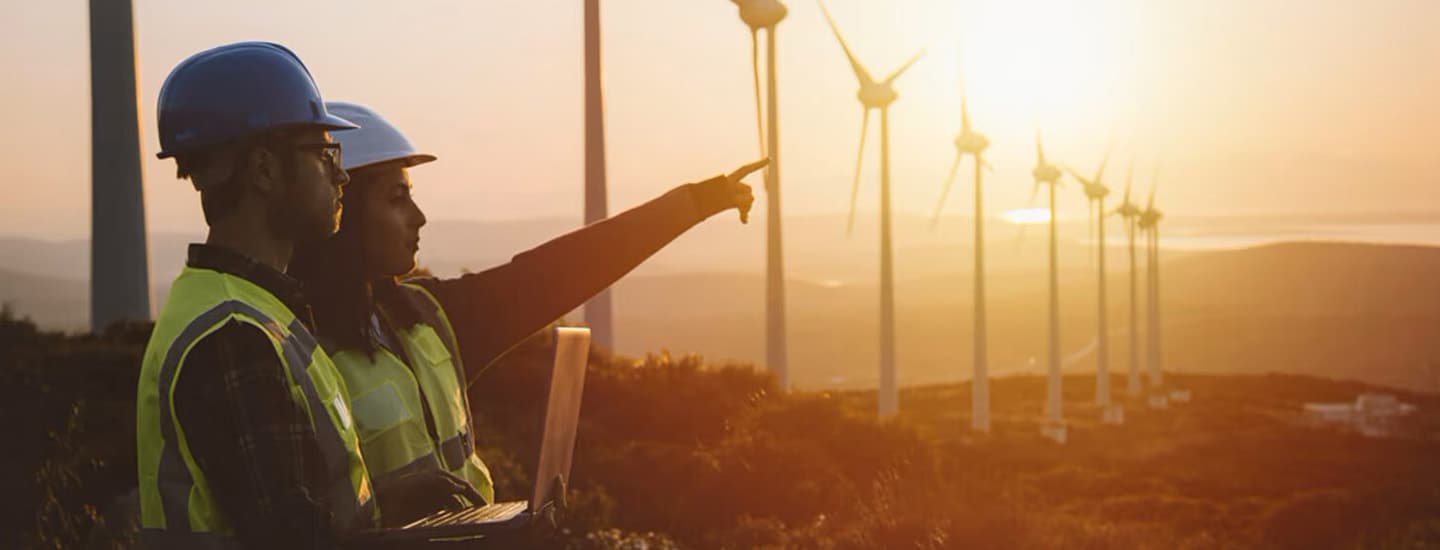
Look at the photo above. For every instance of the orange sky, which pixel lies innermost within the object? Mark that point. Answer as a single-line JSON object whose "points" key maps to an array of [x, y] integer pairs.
{"points": [[1256, 106]]}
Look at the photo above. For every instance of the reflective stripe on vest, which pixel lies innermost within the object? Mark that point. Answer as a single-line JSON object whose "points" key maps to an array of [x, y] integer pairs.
{"points": [[390, 398], [174, 482]]}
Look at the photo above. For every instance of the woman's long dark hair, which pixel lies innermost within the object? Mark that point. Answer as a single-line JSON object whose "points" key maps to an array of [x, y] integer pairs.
{"points": [[333, 275]]}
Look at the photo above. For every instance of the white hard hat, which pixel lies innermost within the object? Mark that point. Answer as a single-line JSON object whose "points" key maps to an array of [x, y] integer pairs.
{"points": [[375, 142]]}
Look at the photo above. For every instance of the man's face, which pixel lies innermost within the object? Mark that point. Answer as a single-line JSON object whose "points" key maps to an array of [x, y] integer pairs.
{"points": [[309, 209], [390, 217]]}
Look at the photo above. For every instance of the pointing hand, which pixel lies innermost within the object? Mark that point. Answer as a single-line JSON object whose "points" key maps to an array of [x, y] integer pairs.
{"points": [[742, 195]]}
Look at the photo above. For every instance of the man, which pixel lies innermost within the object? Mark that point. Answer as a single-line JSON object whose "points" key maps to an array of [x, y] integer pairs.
{"points": [[244, 430]]}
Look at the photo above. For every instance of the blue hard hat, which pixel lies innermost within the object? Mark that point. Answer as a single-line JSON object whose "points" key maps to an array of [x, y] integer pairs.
{"points": [[238, 90]]}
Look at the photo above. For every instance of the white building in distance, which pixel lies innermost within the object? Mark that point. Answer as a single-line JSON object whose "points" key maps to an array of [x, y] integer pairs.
{"points": [[1371, 414]]}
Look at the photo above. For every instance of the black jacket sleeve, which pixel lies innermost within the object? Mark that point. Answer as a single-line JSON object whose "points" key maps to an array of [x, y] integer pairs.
{"points": [[493, 310]]}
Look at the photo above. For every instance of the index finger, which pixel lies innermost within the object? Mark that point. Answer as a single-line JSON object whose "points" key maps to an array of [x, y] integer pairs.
{"points": [[746, 170]]}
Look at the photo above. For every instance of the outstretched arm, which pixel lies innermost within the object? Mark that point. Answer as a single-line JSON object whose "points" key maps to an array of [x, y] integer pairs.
{"points": [[493, 310]]}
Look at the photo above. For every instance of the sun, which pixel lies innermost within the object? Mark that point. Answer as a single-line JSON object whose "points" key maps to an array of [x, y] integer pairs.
{"points": [[1049, 62]]}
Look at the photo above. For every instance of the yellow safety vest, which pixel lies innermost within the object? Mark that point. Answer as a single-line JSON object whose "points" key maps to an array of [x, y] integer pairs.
{"points": [[390, 399], [177, 506]]}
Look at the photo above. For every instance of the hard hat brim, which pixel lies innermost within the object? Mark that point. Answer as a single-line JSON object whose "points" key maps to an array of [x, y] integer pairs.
{"points": [[407, 161], [332, 122]]}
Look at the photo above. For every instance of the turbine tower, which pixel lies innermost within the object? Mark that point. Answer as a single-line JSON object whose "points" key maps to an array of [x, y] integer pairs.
{"points": [[1130, 213], [119, 263], [1095, 193], [971, 142], [598, 312], [878, 95], [1149, 223], [766, 14], [1046, 173]]}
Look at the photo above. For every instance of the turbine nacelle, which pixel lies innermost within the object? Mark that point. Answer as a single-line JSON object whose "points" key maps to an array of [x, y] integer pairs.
{"points": [[1128, 210], [1046, 173], [761, 14], [970, 142], [873, 94], [1095, 191], [1149, 218], [876, 95]]}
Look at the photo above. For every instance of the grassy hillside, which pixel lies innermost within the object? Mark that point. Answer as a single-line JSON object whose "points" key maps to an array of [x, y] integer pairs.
{"points": [[674, 452]]}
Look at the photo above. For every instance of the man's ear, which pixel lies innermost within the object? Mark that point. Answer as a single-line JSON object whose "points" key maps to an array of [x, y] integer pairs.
{"points": [[264, 168], [217, 169]]}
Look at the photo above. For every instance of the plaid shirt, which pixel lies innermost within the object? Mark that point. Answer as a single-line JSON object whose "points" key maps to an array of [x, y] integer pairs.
{"points": [[253, 441]]}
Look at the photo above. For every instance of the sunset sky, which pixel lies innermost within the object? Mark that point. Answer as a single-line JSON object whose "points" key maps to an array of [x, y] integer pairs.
{"points": [[1285, 106]]}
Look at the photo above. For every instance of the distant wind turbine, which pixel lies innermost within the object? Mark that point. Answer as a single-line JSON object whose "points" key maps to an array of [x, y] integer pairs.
{"points": [[1149, 223], [1095, 193], [973, 143], [1046, 173], [1130, 213], [766, 14], [878, 95]]}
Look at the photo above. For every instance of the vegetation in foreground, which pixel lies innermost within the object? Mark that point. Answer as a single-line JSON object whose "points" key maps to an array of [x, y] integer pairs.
{"points": [[676, 453]]}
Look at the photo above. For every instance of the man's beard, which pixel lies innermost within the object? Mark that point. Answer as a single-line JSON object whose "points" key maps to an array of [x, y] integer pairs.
{"points": [[292, 221]]}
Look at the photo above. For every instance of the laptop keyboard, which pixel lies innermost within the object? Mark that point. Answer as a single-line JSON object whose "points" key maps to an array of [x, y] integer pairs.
{"points": [[479, 514]]}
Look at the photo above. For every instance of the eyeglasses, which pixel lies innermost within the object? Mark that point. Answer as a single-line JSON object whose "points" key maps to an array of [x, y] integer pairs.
{"points": [[329, 151]]}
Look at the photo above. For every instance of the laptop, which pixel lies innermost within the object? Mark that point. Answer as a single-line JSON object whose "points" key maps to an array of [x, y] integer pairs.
{"points": [[552, 469]]}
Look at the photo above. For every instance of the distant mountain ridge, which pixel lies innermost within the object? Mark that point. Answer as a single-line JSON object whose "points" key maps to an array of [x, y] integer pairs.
{"points": [[1353, 311]]}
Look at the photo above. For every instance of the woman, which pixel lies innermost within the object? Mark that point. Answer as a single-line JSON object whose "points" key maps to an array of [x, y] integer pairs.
{"points": [[408, 350]]}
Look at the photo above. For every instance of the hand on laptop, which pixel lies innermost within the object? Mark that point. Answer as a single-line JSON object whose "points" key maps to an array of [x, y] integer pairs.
{"points": [[410, 497]]}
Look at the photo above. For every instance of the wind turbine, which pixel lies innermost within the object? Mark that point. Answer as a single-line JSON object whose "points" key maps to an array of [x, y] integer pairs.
{"points": [[1047, 173], [1149, 223], [766, 14], [973, 143], [878, 95], [598, 312], [1130, 213], [1095, 193], [119, 264]]}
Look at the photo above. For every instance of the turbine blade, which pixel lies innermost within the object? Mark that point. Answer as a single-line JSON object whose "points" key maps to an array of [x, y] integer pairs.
{"points": [[945, 191], [964, 113], [1034, 191], [1076, 174], [896, 74], [1104, 162], [855, 183], [860, 72], [1039, 149], [755, 77]]}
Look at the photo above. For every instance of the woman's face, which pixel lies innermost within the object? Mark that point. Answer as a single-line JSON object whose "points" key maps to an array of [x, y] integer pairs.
{"points": [[391, 219]]}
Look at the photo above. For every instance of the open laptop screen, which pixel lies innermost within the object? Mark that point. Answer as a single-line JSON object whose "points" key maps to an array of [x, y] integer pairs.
{"points": [[562, 413]]}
